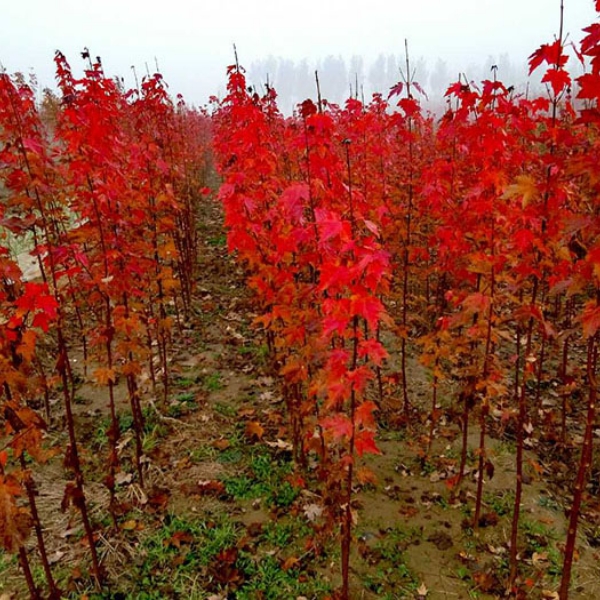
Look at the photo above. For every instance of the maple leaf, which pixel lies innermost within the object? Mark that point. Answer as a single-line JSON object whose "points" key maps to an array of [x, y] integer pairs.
{"points": [[307, 108], [330, 225], [552, 54], [558, 79], [410, 106], [290, 563], [293, 198], [589, 86], [590, 319], [364, 442], [363, 415], [26, 348], [364, 475], [312, 511], [339, 425], [396, 90], [420, 89], [15, 522], [104, 376], [374, 349], [367, 307], [254, 430]]}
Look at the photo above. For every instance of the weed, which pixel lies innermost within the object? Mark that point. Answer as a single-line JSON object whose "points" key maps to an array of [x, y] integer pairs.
{"points": [[502, 502], [187, 398], [185, 382], [212, 382], [225, 410], [218, 242], [548, 502], [202, 453], [265, 478], [265, 578]]}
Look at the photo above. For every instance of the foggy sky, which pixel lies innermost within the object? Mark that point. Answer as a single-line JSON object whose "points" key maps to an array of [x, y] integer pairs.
{"points": [[192, 41]]}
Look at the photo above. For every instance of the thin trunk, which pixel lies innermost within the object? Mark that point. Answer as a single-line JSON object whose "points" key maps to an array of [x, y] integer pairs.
{"points": [[583, 471]]}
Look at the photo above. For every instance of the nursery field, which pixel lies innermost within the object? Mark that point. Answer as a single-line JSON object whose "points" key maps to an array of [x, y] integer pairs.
{"points": [[350, 353]]}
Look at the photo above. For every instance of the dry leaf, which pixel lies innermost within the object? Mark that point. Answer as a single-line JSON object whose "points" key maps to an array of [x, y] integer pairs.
{"points": [[290, 563], [221, 444], [129, 525], [254, 430], [280, 445], [313, 511]]}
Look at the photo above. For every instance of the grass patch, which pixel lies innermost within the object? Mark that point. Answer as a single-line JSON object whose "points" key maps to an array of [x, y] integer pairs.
{"points": [[265, 477]]}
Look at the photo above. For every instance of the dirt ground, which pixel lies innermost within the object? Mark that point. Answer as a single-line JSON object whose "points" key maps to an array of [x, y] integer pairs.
{"points": [[218, 460]]}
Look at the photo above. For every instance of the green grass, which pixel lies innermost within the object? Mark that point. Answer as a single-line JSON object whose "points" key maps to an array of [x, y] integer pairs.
{"points": [[502, 503], [202, 557], [265, 477], [213, 382], [390, 577]]}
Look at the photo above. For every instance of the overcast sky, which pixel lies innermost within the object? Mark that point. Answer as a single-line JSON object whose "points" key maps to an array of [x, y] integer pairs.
{"points": [[192, 41]]}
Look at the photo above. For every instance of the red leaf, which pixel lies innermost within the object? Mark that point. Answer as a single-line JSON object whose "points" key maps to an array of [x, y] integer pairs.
{"points": [[339, 425], [552, 54], [590, 319], [410, 106], [374, 350], [559, 79], [367, 307], [364, 442], [364, 414], [396, 90]]}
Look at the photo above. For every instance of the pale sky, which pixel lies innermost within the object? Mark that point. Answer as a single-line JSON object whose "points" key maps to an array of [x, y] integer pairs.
{"points": [[192, 41]]}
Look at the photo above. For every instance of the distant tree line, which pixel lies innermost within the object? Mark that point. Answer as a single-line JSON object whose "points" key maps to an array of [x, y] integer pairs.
{"points": [[340, 77]]}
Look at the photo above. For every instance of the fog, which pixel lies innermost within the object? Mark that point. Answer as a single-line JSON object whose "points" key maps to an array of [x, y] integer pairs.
{"points": [[356, 46]]}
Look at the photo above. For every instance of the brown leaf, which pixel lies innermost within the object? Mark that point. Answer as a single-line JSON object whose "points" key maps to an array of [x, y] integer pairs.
{"points": [[212, 488], [246, 412], [178, 538], [254, 430], [221, 444], [15, 522], [364, 475], [290, 563]]}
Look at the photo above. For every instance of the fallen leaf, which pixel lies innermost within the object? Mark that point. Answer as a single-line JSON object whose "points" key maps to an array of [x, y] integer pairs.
{"points": [[53, 558], [422, 591], [254, 430], [364, 475], [313, 511], [280, 445], [122, 478], [211, 488], [129, 525], [290, 563], [221, 444]]}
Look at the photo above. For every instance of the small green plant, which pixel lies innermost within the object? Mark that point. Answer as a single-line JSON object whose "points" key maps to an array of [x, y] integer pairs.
{"points": [[278, 534], [266, 578], [187, 398], [219, 241], [265, 477], [226, 410], [212, 382], [501, 502]]}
